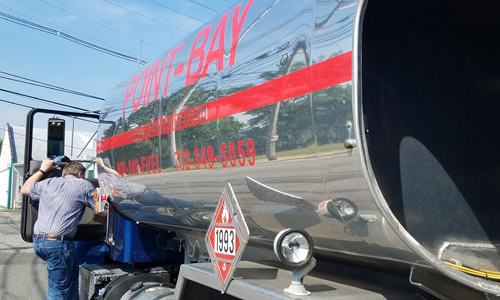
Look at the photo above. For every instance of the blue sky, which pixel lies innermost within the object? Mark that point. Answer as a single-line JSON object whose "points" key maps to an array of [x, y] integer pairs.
{"points": [[119, 25]]}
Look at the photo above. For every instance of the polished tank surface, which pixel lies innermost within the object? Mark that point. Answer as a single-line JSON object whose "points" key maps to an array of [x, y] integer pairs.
{"points": [[370, 124]]}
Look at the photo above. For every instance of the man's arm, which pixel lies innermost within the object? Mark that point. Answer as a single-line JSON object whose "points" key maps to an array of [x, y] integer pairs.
{"points": [[47, 165]]}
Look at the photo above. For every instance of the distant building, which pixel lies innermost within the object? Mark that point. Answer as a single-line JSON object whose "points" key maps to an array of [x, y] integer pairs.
{"points": [[78, 146]]}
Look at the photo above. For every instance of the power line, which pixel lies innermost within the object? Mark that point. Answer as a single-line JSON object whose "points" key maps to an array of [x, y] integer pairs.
{"points": [[69, 37], [38, 139], [144, 16], [110, 28], [43, 100], [85, 147], [67, 30], [10, 102], [174, 10], [46, 85], [14, 103]]}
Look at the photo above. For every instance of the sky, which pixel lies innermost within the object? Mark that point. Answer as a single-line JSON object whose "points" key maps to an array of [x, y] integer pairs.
{"points": [[142, 29]]}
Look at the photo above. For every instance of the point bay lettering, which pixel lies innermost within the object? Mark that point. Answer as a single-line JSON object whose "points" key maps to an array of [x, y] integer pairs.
{"points": [[197, 64]]}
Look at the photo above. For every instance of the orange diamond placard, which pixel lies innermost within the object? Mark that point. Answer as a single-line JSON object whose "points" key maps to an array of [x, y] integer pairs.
{"points": [[227, 236]]}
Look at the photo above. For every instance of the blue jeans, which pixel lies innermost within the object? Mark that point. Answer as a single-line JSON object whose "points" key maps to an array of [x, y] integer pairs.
{"points": [[62, 267]]}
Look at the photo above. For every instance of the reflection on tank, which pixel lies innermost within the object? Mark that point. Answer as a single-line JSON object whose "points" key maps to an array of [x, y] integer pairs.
{"points": [[142, 203], [341, 209], [396, 186]]}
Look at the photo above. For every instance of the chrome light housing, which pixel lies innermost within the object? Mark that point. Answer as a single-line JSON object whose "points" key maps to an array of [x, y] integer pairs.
{"points": [[293, 247]]}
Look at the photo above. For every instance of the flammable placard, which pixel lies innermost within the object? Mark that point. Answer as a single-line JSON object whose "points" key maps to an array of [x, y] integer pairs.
{"points": [[227, 236]]}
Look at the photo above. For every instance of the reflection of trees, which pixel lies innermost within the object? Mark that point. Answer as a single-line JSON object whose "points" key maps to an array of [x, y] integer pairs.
{"points": [[109, 128], [204, 134], [319, 117], [264, 122], [226, 129], [190, 90], [287, 67], [331, 108]]}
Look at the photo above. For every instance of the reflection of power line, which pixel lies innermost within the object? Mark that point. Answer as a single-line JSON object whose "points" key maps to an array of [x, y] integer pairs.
{"points": [[68, 37], [43, 100], [46, 85], [144, 16], [92, 21]]}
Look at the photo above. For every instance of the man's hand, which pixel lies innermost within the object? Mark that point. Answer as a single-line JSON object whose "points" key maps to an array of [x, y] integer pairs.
{"points": [[47, 165]]}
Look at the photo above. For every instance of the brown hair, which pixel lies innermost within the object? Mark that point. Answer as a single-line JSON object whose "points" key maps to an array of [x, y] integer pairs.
{"points": [[73, 168]]}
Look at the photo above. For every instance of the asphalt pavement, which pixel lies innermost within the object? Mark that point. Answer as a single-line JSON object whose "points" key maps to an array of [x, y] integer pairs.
{"points": [[22, 274]]}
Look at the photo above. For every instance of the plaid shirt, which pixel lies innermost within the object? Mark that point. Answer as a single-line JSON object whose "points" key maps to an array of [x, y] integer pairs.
{"points": [[62, 202]]}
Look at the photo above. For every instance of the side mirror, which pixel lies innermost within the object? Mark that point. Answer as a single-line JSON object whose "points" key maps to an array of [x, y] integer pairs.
{"points": [[55, 137]]}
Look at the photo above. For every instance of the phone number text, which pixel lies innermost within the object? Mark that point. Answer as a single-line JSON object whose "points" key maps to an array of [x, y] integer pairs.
{"points": [[230, 154]]}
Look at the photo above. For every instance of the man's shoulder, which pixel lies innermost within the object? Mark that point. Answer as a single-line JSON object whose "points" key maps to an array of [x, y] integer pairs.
{"points": [[86, 183], [49, 180]]}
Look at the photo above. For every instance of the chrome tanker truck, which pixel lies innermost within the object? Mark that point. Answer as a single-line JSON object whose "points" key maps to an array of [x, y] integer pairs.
{"points": [[307, 149]]}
